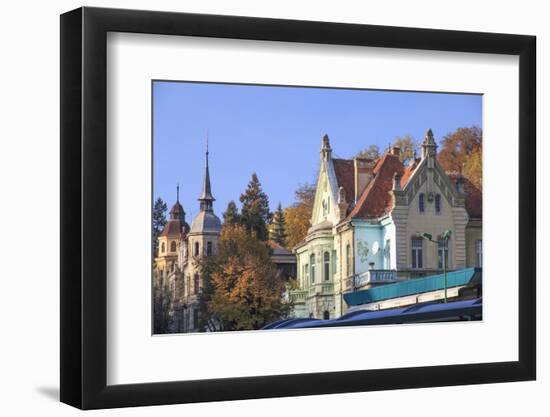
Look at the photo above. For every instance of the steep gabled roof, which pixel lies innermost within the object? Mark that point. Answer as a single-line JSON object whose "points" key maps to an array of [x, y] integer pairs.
{"points": [[345, 176]]}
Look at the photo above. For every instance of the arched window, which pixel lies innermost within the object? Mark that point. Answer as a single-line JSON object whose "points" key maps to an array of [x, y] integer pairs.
{"points": [[312, 268], [348, 260], [196, 252], [162, 247], [196, 283], [326, 315], [173, 246], [421, 203], [208, 248], [326, 265], [438, 203]]}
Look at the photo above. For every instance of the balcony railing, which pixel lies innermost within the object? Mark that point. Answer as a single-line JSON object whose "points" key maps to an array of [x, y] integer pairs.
{"points": [[372, 276], [297, 296]]}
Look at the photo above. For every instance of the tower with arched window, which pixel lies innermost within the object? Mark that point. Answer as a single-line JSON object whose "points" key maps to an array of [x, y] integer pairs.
{"points": [[202, 241]]}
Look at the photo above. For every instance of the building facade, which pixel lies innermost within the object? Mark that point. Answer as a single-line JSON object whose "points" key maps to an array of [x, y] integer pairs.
{"points": [[367, 221], [177, 266]]}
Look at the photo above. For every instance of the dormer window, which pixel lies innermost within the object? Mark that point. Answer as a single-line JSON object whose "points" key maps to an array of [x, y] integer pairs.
{"points": [[421, 203]]}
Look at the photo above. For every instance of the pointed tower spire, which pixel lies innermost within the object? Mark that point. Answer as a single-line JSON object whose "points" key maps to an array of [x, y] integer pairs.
{"points": [[429, 147], [206, 199], [326, 150], [178, 193]]}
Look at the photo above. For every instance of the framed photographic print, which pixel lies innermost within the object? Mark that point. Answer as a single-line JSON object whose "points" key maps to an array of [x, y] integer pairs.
{"points": [[257, 208]]}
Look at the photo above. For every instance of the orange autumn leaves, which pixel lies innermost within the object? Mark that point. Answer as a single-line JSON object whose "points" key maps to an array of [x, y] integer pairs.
{"points": [[247, 293]]}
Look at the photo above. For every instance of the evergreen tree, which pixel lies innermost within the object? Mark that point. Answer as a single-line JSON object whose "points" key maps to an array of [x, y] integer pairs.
{"points": [[159, 220], [231, 215], [278, 227], [255, 210]]}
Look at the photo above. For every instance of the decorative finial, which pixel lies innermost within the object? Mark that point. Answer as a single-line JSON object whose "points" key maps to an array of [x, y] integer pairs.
{"points": [[178, 192], [207, 148]]}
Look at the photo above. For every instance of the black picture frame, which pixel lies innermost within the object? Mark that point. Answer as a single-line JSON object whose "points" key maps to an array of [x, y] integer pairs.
{"points": [[84, 207]]}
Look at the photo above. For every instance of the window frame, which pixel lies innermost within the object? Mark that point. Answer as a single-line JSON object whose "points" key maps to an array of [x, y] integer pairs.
{"points": [[417, 253]]}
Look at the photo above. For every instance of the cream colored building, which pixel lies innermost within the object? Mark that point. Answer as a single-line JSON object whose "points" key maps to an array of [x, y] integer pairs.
{"points": [[366, 221], [180, 250]]}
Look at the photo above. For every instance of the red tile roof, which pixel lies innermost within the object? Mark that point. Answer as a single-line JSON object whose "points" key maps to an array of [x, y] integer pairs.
{"points": [[376, 200], [172, 228], [474, 197], [345, 177]]}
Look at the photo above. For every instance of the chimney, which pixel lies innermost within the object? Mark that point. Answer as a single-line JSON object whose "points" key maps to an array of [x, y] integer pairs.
{"points": [[342, 203], [396, 182], [362, 176], [396, 151]]}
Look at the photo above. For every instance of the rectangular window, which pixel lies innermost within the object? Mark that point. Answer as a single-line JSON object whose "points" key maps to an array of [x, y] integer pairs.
{"points": [[196, 319], [348, 260], [326, 262], [479, 253], [442, 253], [209, 249], [416, 245], [196, 248], [196, 284]]}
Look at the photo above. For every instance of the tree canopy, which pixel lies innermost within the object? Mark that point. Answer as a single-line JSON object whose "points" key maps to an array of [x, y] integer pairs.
{"points": [[372, 152], [255, 208], [231, 214], [246, 292], [298, 215], [461, 152], [278, 227], [159, 220]]}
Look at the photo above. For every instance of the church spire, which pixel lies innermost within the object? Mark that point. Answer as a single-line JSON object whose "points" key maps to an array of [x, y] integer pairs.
{"points": [[206, 199]]}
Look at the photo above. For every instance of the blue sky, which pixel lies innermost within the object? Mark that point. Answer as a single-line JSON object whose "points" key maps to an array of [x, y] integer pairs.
{"points": [[276, 132]]}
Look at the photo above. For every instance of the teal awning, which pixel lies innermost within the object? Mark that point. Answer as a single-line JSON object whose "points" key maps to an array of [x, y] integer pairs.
{"points": [[414, 286]]}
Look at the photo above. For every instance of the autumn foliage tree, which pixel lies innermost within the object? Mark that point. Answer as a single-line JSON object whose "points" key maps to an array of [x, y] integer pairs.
{"points": [[461, 151], [246, 292], [298, 215], [408, 145]]}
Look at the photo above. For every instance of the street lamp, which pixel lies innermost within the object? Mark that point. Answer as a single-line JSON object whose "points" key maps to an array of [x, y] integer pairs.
{"points": [[445, 236]]}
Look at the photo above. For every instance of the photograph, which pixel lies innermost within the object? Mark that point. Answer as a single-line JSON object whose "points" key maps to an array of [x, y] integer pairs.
{"points": [[297, 207]]}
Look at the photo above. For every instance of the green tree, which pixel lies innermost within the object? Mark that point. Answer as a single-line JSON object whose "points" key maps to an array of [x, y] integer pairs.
{"points": [[298, 215], [278, 227], [255, 209], [247, 294], [231, 214], [159, 220], [372, 152]]}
